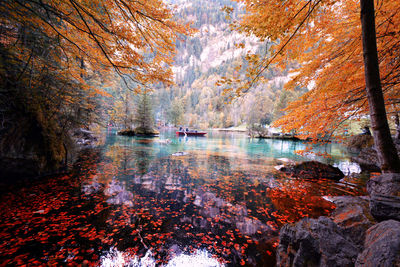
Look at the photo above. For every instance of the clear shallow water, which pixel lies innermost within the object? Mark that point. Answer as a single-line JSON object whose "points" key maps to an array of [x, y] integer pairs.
{"points": [[216, 200]]}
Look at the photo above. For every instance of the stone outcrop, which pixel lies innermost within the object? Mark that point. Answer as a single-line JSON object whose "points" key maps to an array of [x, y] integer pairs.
{"points": [[351, 237], [313, 170], [353, 216], [385, 184], [368, 160], [84, 137], [315, 242], [385, 196], [382, 246]]}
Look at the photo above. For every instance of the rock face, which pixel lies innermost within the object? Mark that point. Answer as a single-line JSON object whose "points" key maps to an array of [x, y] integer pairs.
{"points": [[385, 196], [313, 170], [353, 216], [315, 242], [382, 246], [31, 148], [84, 137]]}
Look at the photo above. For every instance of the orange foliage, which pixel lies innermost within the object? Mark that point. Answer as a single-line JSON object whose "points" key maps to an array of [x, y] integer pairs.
{"points": [[320, 41], [79, 40]]}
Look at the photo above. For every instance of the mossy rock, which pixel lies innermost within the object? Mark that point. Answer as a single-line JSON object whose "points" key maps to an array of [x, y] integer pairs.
{"points": [[146, 132], [126, 132]]}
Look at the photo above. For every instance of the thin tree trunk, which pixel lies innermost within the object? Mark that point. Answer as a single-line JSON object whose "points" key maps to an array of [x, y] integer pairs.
{"points": [[387, 153]]}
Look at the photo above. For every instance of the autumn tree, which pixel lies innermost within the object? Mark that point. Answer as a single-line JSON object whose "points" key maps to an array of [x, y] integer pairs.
{"points": [[387, 152], [322, 42], [54, 57]]}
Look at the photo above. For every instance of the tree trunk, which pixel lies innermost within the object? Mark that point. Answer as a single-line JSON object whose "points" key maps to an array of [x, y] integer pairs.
{"points": [[397, 123], [387, 153]]}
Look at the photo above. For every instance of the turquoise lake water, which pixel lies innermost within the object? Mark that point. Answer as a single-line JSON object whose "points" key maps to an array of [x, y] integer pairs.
{"points": [[166, 201]]}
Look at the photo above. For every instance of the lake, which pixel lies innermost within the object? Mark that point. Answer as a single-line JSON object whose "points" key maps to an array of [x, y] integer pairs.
{"points": [[205, 201]]}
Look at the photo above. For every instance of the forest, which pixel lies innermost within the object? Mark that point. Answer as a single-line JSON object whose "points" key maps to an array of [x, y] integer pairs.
{"points": [[290, 98]]}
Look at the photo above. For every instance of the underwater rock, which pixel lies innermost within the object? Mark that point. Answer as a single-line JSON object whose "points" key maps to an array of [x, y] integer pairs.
{"points": [[313, 170]]}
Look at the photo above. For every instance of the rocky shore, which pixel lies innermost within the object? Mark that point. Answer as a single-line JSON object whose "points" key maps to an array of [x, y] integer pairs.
{"points": [[35, 156], [362, 231]]}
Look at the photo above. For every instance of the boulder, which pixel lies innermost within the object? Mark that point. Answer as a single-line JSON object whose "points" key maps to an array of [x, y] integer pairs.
{"points": [[313, 170], [358, 142], [385, 196], [385, 207], [382, 246], [315, 242], [368, 160], [353, 216], [384, 184]]}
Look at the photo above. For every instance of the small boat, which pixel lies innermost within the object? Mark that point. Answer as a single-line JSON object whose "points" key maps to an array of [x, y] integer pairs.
{"points": [[191, 133]]}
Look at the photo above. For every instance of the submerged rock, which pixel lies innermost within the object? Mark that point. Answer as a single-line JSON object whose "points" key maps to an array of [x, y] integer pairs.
{"points": [[382, 246], [385, 196], [313, 170], [315, 242]]}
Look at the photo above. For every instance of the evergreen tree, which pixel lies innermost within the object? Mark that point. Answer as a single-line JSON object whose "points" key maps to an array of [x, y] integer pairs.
{"points": [[143, 117]]}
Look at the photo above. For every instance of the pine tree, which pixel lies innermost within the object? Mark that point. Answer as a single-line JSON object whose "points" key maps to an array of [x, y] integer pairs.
{"points": [[144, 117]]}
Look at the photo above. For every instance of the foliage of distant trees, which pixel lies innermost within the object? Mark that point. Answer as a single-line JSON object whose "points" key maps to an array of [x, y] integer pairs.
{"points": [[195, 100]]}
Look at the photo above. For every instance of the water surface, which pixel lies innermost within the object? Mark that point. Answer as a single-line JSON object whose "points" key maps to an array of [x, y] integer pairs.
{"points": [[215, 200]]}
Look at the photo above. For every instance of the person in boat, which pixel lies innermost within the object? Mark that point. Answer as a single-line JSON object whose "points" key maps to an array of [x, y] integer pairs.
{"points": [[180, 129], [187, 129]]}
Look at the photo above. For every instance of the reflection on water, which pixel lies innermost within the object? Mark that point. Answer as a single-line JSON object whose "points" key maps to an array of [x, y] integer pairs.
{"points": [[214, 200], [199, 258]]}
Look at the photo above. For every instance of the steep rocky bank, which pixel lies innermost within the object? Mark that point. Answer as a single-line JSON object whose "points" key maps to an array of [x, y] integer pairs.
{"points": [[34, 152], [362, 231]]}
